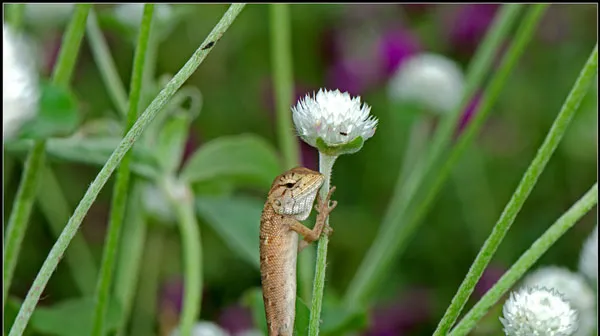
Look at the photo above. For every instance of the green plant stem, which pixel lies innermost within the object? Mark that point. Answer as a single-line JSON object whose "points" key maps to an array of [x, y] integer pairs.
{"points": [[121, 188], [19, 217], [106, 65], [16, 14], [156, 106], [55, 207], [130, 258], [325, 167], [518, 269], [182, 200], [144, 313], [394, 230], [417, 143], [281, 56], [535, 169]]}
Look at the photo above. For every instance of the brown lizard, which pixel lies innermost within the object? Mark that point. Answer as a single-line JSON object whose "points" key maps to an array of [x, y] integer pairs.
{"points": [[289, 201]]}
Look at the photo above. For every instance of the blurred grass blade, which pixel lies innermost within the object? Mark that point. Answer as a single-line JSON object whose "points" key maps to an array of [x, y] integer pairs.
{"points": [[570, 106], [19, 216], [518, 269], [121, 187], [106, 65], [49, 265], [79, 257], [389, 240]]}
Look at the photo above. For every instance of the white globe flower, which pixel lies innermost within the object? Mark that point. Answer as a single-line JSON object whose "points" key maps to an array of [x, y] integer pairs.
{"points": [[333, 122], [430, 80], [203, 328], [19, 83], [537, 311], [588, 260], [574, 289]]}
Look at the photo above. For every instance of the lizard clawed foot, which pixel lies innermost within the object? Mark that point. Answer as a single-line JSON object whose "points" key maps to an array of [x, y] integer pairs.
{"points": [[328, 230], [325, 207]]}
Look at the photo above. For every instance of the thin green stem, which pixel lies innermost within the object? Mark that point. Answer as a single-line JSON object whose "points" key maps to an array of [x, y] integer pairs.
{"points": [[394, 230], [535, 169], [417, 143], [325, 167], [106, 64], [19, 217], [16, 15], [518, 269], [130, 258], [182, 200], [121, 188], [55, 207], [281, 55], [88, 199]]}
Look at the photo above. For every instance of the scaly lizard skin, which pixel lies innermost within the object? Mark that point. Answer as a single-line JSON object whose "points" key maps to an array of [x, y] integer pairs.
{"points": [[290, 200]]}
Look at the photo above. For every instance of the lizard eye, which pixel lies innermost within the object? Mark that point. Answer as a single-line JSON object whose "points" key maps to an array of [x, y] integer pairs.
{"points": [[290, 185]]}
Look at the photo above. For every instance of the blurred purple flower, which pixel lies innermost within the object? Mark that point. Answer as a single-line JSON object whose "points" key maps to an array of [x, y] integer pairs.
{"points": [[468, 25], [192, 143], [171, 295], [308, 156], [236, 319], [468, 114], [488, 279], [401, 316], [396, 46], [352, 76]]}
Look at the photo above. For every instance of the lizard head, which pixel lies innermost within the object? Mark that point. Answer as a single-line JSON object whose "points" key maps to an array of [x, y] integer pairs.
{"points": [[293, 192]]}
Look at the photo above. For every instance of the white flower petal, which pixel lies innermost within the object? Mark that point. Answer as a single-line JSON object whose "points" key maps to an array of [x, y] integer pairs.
{"points": [[574, 289], [334, 117], [19, 83], [538, 311], [203, 328], [431, 80]]}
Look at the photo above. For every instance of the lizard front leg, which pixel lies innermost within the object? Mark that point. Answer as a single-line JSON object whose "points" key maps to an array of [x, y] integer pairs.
{"points": [[324, 209]]}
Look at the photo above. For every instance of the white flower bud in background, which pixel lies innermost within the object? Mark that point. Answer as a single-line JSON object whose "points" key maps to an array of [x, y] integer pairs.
{"points": [[588, 260], [19, 83], [131, 14], [204, 328], [574, 289], [538, 311], [48, 15], [333, 122], [430, 80]]}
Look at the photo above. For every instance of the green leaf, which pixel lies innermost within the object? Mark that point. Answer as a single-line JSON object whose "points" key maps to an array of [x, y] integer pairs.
{"points": [[246, 159], [339, 320], [72, 317], [94, 151], [57, 114], [348, 148], [171, 142], [237, 221]]}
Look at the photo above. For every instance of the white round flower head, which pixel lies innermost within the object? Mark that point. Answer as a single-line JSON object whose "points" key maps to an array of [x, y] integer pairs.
{"points": [[575, 290], [203, 328], [588, 260], [430, 80], [19, 83], [538, 311], [335, 118]]}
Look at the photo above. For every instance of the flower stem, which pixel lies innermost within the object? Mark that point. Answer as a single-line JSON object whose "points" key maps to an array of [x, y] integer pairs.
{"points": [[19, 217], [121, 187], [518, 269], [579, 90], [182, 200], [394, 230], [281, 56], [325, 167], [156, 106], [106, 64]]}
